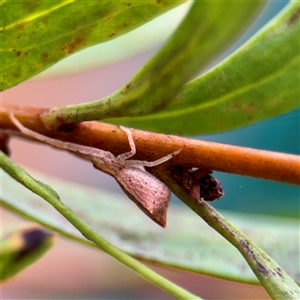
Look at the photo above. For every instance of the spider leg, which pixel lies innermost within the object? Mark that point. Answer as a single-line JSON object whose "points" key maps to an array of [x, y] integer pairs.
{"points": [[85, 150], [140, 163], [132, 152], [143, 163]]}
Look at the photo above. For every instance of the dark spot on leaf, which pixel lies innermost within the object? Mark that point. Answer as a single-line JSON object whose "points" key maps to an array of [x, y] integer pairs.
{"points": [[18, 53], [261, 268], [32, 240], [294, 17], [17, 73], [73, 45], [237, 105], [249, 108], [279, 272], [31, 6], [112, 34], [45, 56], [22, 25], [128, 4]]}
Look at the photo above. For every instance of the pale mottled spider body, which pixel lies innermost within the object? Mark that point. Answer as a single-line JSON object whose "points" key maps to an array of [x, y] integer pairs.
{"points": [[146, 191]]}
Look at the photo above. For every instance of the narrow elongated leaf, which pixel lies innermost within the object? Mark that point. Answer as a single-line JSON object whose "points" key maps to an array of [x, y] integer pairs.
{"points": [[207, 29], [149, 36], [260, 80], [37, 34], [186, 243], [23, 247], [50, 196]]}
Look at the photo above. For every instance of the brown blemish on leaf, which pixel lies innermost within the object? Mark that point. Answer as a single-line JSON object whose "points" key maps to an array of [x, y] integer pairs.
{"points": [[31, 6], [18, 53], [109, 17], [39, 66], [250, 108], [294, 17], [45, 56], [235, 106], [17, 73], [73, 45], [112, 34], [21, 26]]}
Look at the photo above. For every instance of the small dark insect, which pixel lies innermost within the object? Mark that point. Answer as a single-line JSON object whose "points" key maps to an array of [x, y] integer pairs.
{"points": [[199, 182]]}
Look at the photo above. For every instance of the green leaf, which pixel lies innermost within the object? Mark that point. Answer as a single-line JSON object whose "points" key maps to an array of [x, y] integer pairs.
{"points": [[186, 243], [89, 233], [149, 35], [23, 247], [37, 34], [258, 81], [208, 28]]}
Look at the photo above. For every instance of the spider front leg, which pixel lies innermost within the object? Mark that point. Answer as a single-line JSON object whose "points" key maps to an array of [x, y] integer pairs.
{"points": [[143, 163], [132, 151], [140, 163]]}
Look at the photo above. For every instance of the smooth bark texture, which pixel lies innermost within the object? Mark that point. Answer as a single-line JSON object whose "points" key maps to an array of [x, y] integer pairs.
{"points": [[263, 164]]}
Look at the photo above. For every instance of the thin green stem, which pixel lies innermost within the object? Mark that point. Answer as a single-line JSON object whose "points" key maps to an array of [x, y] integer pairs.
{"points": [[275, 280], [52, 198]]}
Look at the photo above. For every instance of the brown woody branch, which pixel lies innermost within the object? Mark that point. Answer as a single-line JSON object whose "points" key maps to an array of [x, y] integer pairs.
{"points": [[197, 153]]}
